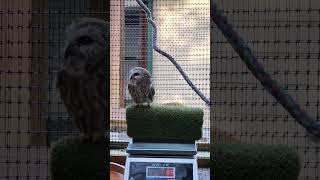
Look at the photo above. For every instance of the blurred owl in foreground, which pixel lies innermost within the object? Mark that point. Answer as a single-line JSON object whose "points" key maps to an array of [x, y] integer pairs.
{"points": [[83, 80], [140, 86]]}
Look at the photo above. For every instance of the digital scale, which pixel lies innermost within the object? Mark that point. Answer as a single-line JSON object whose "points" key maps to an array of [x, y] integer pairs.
{"points": [[161, 161]]}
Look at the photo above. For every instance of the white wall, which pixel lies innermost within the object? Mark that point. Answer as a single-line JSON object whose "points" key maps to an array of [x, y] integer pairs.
{"points": [[183, 32]]}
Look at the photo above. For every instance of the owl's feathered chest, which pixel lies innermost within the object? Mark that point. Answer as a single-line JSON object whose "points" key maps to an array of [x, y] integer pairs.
{"points": [[140, 92]]}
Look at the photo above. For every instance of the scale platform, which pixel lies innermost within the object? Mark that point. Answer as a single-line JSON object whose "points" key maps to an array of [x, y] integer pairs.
{"points": [[161, 161], [162, 149]]}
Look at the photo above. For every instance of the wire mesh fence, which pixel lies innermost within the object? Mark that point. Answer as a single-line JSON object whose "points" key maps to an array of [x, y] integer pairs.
{"points": [[284, 36], [32, 116], [183, 31]]}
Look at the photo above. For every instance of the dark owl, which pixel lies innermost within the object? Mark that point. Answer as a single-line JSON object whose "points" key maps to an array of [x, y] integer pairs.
{"points": [[83, 80], [140, 86]]}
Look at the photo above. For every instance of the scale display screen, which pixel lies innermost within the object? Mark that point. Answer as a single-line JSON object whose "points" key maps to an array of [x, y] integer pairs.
{"points": [[160, 171]]}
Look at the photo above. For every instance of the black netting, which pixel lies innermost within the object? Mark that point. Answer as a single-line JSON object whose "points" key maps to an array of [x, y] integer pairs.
{"points": [[183, 31], [32, 115], [284, 36]]}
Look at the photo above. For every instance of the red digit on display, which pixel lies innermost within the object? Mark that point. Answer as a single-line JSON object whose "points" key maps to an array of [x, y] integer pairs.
{"points": [[169, 172]]}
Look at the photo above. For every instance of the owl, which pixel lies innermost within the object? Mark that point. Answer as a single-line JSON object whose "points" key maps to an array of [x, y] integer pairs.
{"points": [[83, 80], [140, 86]]}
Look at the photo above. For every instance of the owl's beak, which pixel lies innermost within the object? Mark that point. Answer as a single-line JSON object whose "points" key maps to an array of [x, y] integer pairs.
{"points": [[72, 49], [133, 80]]}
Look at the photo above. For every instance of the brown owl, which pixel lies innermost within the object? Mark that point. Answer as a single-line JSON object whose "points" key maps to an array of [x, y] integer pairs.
{"points": [[83, 79], [140, 86]]}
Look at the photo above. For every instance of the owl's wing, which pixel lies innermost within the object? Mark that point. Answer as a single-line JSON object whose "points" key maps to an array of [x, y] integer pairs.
{"points": [[64, 91], [151, 93], [144, 89], [130, 89], [59, 85]]}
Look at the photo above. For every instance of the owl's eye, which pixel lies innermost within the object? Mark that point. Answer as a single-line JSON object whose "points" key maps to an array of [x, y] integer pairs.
{"points": [[84, 40]]}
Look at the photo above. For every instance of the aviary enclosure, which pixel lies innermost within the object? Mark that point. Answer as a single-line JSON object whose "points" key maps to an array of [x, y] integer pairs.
{"points": [[284, 36], [183, 31], [32, 115]]}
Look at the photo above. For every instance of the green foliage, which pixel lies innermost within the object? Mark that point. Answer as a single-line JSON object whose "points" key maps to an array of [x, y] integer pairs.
{"points": [[74, 158], [164, 123], [254, 162]]}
